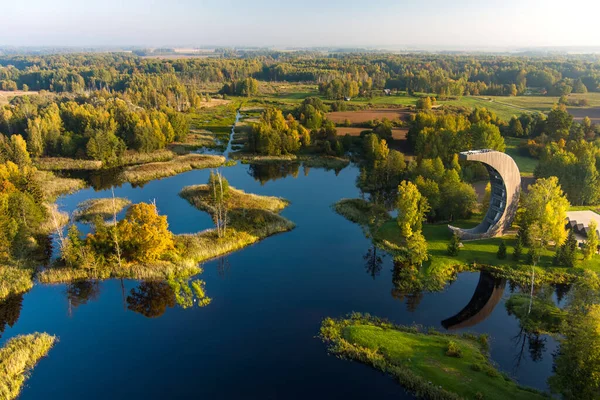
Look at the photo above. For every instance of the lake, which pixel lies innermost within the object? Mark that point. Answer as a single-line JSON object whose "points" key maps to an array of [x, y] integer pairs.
{"points": [[257, 339]]}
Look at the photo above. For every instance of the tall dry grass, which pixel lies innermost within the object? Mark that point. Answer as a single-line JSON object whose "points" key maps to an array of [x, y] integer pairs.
{"points": [[14, 280], [146, 172], [199, 197], [54, 186], [17, 359], [133, 157], [66, 164], [89, 209], [159, 270]]}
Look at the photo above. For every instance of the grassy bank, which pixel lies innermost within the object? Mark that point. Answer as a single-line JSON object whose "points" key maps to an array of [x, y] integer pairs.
{"points": [[311, 161], [54, 186], [89, 209], [194, 141], [18, 357], [160, 270], [75, 164], [475, 255], [431, 365], [65, 164], [15, 280], [146, 172]]}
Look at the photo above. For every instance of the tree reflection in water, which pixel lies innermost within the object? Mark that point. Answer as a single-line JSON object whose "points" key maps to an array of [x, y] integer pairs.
{"points": [[373, 261], [80, 292], [10, 310], [271, 171], [151, 298], [407, 284]]}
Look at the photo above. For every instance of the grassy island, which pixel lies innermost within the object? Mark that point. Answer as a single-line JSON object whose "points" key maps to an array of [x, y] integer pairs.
{"points": [[89, 210], [140, 246], [18, 357], [430, 364], [251, 218]]}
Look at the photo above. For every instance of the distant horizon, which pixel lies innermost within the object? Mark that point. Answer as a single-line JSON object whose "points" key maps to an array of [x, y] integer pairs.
{"points": [[464, 24], [187, 49]]}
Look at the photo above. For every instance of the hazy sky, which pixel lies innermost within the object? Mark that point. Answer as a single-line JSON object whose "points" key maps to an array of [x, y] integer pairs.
{"points": [[456, 24]]}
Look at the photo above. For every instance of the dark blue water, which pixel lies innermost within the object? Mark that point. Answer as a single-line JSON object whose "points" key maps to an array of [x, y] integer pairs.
{"points": [[257, 337]]}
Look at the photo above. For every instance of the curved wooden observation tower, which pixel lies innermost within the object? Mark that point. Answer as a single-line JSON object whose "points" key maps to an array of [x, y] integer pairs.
{"points": [[505, 180]]}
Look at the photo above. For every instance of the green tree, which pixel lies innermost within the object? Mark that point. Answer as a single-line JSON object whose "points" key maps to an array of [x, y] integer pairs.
{"points": [[454, 245], [577, 365], [545, 209], [424, 103], [515, 127], [501, 254], [518, 249], [412, 207], [533, 256], [566, 254], [591, 244], [559, 122]]}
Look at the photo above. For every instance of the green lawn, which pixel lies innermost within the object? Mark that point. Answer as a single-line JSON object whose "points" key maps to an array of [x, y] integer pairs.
{"points": [[525, 163], [475, 251], [420, 360], [504, 111], [545, 103]]}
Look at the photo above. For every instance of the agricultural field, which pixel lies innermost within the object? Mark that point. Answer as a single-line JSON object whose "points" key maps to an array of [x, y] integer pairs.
{"points": [[362, 116], [7, 96], [397, 133], [580, 113]]}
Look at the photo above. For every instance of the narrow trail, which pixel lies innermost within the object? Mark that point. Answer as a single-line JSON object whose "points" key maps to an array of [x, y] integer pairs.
{"points": [[229, 144]]}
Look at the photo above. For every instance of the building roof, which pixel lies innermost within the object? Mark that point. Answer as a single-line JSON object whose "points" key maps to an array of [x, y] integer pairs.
{"points": [[580, 220]]}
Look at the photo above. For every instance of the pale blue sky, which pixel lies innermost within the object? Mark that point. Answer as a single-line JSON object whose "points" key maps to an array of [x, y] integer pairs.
{"points": [[456, 24]]}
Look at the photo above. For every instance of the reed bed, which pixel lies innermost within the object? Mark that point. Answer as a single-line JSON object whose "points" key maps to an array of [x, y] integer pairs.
{"points": [[14, 280], [160, 270], [54, 186], [146, 172], [104, 208], [66, 164], [18, 357]]}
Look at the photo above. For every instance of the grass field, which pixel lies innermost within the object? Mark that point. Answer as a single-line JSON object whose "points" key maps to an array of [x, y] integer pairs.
{"points": [[434, 365], [525, 163], [7, 96], [357, 117]]}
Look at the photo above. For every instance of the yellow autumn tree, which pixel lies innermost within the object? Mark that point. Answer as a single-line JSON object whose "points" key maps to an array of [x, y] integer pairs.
{"points": [[545, 208], [412, 207], [144, 235]]}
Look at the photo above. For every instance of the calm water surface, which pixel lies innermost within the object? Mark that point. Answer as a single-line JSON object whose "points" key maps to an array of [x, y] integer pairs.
{"points": [[257, 337]]}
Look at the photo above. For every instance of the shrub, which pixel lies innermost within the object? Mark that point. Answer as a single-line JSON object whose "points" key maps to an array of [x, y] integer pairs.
{"points": [[453, 350], [501, 254], [476, 367], [454, 245]]}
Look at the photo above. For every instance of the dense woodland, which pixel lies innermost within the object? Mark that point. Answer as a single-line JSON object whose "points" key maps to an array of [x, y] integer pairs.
{"points": [[339, 74]]}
